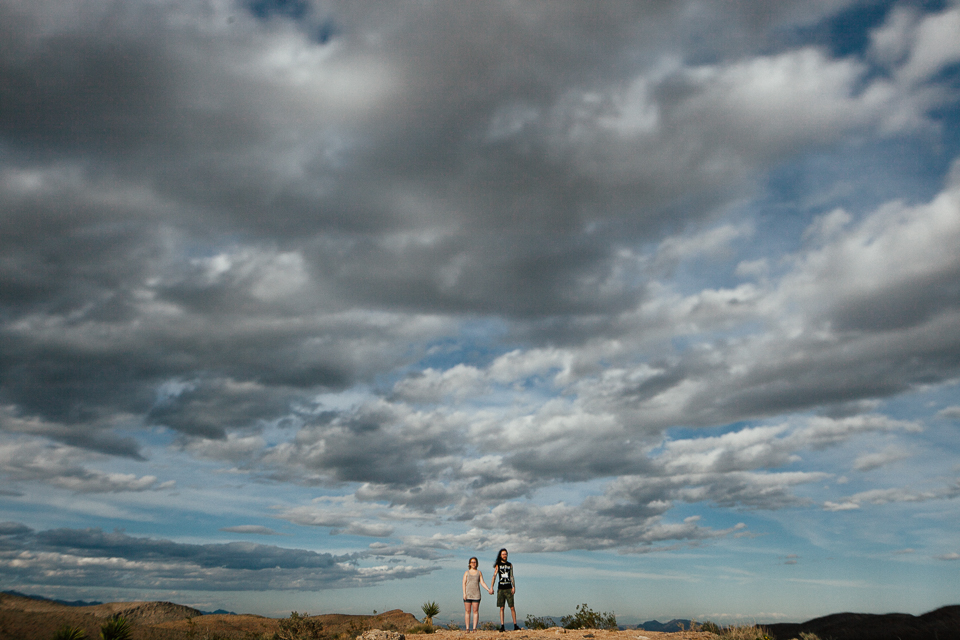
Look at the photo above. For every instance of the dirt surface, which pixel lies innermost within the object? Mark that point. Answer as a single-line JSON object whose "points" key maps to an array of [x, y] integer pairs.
{"points": [[29, 619], [556, 633]]}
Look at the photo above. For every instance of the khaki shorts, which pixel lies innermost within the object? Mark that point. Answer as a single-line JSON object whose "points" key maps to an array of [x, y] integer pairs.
{"points": [[505, 596]]}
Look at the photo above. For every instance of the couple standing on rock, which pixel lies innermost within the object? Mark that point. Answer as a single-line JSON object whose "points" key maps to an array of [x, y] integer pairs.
{"points": [[506, 587]]}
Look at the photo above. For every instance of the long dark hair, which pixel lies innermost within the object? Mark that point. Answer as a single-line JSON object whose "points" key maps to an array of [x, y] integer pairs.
{"points": [[498, 562]]}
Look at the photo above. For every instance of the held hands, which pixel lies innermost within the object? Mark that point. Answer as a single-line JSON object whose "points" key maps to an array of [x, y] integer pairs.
{"points": [[491, 591]]}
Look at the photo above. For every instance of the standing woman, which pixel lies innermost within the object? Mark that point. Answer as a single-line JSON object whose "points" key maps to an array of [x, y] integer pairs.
{"points": [[472, 579], [506, 586]]}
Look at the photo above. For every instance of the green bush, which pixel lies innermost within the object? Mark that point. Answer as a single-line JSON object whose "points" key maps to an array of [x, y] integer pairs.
{"points": [[116, 628], [422, 628], [430, 609], [299, 626], [534, 622], [587, 618], [66, 632]]}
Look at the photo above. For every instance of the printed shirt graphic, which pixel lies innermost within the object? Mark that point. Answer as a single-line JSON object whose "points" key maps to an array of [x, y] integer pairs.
{"points": [[505, 573]]}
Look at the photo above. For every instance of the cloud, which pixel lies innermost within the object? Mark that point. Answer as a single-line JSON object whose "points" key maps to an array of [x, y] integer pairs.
{"points": [[870, 461], [14, 529], [535, 241], [341, 516], [68, 557], [949, 413], [893, 495], [251, 529], [34, 461]]}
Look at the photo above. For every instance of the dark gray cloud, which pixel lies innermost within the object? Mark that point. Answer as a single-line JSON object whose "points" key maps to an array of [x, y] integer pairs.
{"points": [[64, 557], [14, 529]]}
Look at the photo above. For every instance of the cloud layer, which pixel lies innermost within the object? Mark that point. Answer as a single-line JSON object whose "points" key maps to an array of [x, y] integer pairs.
{"points": [[540, 275]]}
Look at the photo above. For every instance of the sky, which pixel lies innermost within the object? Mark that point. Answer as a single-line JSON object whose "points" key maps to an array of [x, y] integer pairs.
{"points": [[305, 303]]}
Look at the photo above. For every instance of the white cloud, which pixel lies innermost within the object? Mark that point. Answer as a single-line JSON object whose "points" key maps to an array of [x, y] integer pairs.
{"points": [[57, 465], [950, 413], [840, 506], [870, 461], [933, 45], [251, 529]]}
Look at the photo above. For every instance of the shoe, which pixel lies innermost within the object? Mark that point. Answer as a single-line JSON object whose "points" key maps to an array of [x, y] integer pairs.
{"points": [[517, 627], [502, 629]]}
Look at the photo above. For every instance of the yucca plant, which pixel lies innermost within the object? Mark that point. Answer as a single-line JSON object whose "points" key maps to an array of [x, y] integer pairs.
{"points": [[116, 628], [66, 632], [430, 609]]}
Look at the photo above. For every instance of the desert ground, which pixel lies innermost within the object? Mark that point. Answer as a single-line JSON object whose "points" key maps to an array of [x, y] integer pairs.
{"points": [[29, 619], [23, 618]]}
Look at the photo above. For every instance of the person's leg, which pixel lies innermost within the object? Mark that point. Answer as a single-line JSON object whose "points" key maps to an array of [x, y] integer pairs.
{"points": [[476, 615], [513, 612], [502, 595], [466, 615]]}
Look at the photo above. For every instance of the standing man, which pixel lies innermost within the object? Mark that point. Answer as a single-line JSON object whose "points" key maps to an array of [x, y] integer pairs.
{"points": [[506, 587]]}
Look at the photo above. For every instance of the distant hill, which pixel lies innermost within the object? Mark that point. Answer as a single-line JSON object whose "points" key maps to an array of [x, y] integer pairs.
{"points": [[25, 618], [67, 603], [667, 627], [944, 623]]}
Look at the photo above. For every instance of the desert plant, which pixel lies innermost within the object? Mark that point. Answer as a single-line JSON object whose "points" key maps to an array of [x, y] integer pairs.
{"points": [[711, 627], [116, 628], [430, 609], [535, 622], [488, 626], [356, 628], [745, 632], [66, 632], [299, 626], [587, 618], [422, 628]]}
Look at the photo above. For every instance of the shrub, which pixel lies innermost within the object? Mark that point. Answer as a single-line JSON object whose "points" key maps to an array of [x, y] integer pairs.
{"points": [[587, 618], [299, 626], [804, 635], [711, 627], [66, 632], [745, 632], [421, 628], [534, 622], [489, 626], [116, 628], [430, 609]]}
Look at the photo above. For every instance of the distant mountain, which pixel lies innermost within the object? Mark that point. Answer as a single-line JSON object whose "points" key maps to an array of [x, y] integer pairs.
{"points": [[69, 603], [93, 603], [668, 627]]}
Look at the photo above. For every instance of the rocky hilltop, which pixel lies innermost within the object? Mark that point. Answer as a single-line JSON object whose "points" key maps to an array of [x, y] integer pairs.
{"points": [[23, 618]]}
